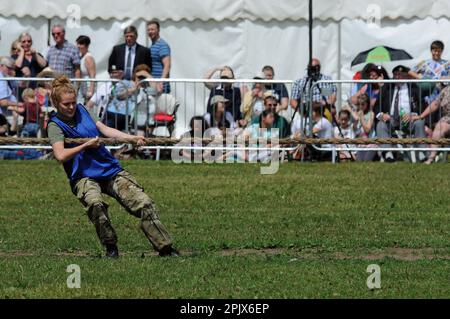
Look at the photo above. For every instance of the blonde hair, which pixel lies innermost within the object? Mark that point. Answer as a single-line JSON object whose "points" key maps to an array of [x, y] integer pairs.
{"points": [[23, 35], [61, 85], [28, 93], [14, 46]]}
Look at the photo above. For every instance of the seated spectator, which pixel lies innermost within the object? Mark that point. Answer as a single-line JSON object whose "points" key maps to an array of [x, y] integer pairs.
{"points": [[198, 127], [373, 72], [325, 94], [253, 103], [364, 118], [227, 90], [364, 126], [279, 89], [32, 113], [7, 90], [43, 90], [87, 69], [442, 128], [103, 94], [345, 130], [28, 62], [397, 109], [4, 126], [322, 128], [120, 107], [257, 132], [219, 118], [150, 101], [435, 68], [280, 123]]}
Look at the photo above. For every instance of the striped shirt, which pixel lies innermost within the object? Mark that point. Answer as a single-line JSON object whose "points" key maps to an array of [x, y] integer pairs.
{"points": [[301, 86], [63, 60], [159, 50]]}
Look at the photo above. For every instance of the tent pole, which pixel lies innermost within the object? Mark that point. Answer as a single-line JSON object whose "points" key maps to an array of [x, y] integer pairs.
{"points": [[49, 31], [310, 32]]}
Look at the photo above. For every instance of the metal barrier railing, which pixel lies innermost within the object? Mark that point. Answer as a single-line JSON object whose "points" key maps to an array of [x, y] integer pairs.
{"points": [[384, 96], [188, 98], [148, 106]]}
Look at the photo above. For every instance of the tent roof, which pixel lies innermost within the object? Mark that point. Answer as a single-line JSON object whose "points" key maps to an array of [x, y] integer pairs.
{"points": [[219, 10]]}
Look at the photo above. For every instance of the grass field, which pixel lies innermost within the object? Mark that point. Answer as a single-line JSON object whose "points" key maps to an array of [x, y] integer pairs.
{"points": [[309, 231]]}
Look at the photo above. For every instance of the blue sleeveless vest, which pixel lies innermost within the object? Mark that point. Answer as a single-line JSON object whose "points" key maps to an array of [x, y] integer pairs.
{"points": [[97, 163]]}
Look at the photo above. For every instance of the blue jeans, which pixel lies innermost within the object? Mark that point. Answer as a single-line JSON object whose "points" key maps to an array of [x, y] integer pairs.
{"points": [[30, 130]]}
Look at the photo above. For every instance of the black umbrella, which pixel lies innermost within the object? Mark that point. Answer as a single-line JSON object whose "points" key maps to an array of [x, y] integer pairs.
{"points": [[381, 54]]}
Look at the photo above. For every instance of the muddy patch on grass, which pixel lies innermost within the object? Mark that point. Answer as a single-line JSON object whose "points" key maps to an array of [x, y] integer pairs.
{"points": [[397, 253]]}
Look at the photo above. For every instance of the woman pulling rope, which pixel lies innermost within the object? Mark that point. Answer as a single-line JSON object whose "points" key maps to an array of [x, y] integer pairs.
{"points": [[93, 171]]}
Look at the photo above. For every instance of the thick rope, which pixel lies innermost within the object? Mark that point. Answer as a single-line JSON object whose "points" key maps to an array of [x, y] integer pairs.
{"points": [[164, 141]]}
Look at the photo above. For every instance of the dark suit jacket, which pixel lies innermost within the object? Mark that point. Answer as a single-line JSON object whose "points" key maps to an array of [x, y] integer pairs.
{"points": [[386, 98], [117, 57]]}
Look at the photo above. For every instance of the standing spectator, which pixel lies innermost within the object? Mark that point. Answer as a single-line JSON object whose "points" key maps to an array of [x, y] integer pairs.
{"points": [[434, 68], [88, 69], [29, 62], [279, 89], [227, 90], [161, 55], [14, 48], [325, 94], [128, 55], [63, 57]]}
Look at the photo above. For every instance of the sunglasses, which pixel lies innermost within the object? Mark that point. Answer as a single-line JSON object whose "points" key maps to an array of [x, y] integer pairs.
{"points": [[272, 105], [56, 33], [8, 67]]}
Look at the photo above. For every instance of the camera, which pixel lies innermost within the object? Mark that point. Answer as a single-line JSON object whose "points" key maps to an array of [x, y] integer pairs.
{"points": [[314, 72]]}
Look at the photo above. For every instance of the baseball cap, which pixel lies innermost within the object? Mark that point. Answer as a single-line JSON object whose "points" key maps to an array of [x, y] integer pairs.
{"points": [[218, 98], [7, 61]]}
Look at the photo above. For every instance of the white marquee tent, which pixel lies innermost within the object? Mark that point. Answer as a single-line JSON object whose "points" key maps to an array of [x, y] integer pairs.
{"points": [[245, 34]]}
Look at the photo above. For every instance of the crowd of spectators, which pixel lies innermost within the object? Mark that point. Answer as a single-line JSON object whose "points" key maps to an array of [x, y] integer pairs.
{"points": [[372, 109]]}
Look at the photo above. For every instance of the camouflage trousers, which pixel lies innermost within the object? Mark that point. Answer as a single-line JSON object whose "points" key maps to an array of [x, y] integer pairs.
{"points": [[127, 191]]}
